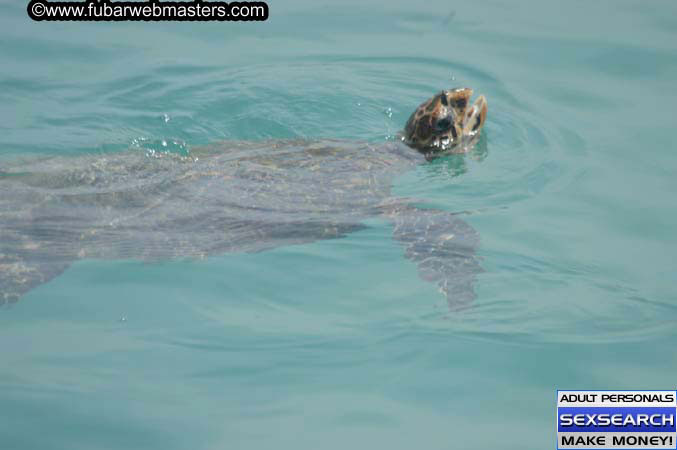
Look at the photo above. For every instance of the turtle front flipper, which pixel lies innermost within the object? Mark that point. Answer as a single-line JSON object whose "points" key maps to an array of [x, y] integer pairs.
{"points": [[444, 248]]}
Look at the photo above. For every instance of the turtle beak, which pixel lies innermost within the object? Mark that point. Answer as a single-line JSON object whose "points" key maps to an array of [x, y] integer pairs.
{"points": [[474, 118]]}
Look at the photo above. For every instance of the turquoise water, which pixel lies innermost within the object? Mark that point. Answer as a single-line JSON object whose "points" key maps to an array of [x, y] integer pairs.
{"points": [[338, 343]]}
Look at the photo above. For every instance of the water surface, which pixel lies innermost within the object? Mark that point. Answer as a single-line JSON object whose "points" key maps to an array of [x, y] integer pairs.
{"points": [[338, 343]]}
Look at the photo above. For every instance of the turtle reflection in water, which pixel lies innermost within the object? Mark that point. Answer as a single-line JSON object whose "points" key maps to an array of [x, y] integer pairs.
{"points": [[237, 197]]}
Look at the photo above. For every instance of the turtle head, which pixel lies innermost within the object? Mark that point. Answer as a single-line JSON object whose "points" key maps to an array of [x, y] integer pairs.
{"points": [[446, 122]]}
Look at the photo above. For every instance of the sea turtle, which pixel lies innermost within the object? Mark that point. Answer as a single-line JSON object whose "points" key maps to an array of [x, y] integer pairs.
{"points": [[236, 196]]}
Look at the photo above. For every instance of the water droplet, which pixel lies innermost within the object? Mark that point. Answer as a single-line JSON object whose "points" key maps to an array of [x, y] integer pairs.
{"points": [[166, 118], [388, 112], [123, 319], [164, 143]]}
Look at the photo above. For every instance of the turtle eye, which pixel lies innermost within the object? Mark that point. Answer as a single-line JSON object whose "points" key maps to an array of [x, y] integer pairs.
{"points": [[443, 124]]}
